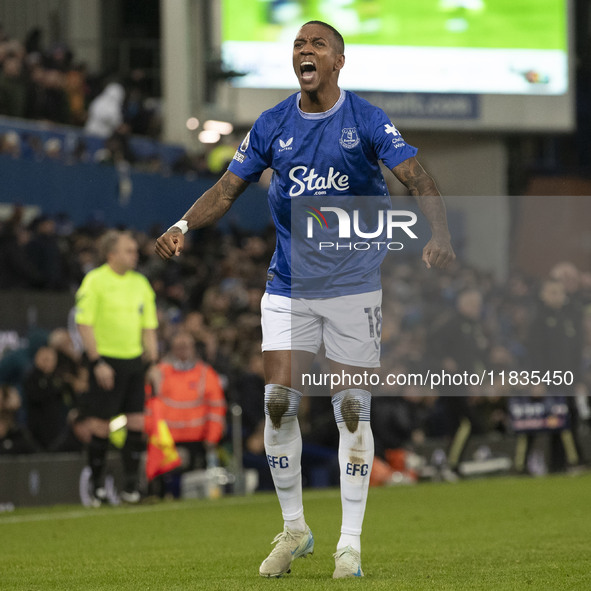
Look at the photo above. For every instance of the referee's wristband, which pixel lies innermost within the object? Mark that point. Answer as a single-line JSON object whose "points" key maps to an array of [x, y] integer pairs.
{"points": [[182, 225]]}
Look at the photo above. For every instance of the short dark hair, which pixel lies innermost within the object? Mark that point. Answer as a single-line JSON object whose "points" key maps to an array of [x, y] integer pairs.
{"points": [[340, 42]]}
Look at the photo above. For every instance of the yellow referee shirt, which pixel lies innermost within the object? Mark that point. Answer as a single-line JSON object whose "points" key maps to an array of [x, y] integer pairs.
{"points": [[118, 307]]}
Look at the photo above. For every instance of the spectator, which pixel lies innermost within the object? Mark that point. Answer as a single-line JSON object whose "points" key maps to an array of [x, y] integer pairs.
{"points": [[59, 57], [15, 364], [205, 339], [10, 144], [555, 340], [44, 392], [458, 345], [69, 368], [83, 257], [33, 41], [77, 435], [137, 113], [77, 92], [16, 270], [14, 438], [105, 112], [13, 88], [556, 345], [117, 148], [35, 88], [52, 149], [43, 252], [400, 416], [52, 102]]}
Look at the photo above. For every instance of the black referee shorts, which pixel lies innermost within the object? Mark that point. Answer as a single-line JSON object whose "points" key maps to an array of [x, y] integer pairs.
{"points": [[128, 394]]}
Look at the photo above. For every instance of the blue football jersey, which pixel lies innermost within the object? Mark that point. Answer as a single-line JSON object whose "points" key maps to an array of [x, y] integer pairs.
{"points": [[329, 158]]}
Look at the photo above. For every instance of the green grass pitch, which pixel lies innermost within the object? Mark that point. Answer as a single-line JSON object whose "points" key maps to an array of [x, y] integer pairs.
{"points": [[503, 533]]}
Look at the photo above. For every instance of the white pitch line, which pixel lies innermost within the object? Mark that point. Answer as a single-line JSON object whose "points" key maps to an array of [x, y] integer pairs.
{"points": [[122, 511]]}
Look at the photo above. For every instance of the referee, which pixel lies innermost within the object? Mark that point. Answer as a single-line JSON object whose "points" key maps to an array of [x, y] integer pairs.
{"points": [[116, 317]]}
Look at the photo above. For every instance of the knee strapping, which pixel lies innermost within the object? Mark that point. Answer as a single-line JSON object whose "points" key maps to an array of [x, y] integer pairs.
{"points": [[281, 401], [351, 407]]}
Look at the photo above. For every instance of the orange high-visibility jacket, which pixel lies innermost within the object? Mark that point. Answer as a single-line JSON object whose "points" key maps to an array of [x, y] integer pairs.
{"points": [[194, 403]]}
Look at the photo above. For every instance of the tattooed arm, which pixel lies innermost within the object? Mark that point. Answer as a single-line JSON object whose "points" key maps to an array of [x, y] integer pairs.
{"points": [[208, 209], [438, 252]]}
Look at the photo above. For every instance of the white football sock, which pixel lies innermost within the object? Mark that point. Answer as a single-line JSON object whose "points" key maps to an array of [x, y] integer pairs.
{"points": [[356, 448], [298, 524], [283, 445]]}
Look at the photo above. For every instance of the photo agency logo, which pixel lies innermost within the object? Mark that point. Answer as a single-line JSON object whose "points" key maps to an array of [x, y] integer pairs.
{"points": [[333, 228]]}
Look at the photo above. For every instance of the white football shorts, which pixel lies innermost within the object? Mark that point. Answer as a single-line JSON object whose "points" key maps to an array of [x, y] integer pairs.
{"points": [[349, 326]]}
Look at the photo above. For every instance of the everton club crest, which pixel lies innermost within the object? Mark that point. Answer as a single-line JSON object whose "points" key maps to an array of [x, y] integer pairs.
{"points": [[349, 138]]}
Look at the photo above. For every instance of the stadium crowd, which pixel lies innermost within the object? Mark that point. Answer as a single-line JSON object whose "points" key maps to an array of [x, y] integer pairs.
{"points": [[456, 320], [85, 116], [49, 84]]}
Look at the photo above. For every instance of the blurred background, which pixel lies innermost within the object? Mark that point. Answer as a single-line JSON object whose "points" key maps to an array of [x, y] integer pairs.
{"points": [[119, 113]]}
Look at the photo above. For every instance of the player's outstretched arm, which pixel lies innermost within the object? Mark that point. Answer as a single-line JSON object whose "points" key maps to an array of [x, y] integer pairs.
{"points": [[208, 209], [438, 252]]}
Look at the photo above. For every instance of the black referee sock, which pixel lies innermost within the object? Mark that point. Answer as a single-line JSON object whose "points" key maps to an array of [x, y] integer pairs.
{"points": [[132, 454], [97, 454]]}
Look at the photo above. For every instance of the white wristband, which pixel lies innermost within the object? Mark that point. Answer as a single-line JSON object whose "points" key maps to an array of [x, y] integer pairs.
{"points": [[182, 225]]}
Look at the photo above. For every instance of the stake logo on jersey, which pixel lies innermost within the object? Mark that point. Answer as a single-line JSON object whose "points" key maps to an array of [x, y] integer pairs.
{"points": [[315, 183], [349, 138], [325, 156]]}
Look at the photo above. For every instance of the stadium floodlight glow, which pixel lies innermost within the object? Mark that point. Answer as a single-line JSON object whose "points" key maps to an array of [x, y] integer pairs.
{"points": [[221, 127], [192, 123], [209, 137]]}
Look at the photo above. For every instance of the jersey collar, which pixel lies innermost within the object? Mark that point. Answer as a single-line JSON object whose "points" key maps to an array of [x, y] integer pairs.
{"points": [[325, 114]]}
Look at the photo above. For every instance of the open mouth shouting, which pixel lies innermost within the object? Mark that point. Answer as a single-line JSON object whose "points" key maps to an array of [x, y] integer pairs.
{"points": [[307, 71]]}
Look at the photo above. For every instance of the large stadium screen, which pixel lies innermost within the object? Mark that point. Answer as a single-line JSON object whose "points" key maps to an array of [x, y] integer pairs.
{"points": [[512, 48], [474, 46]]}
